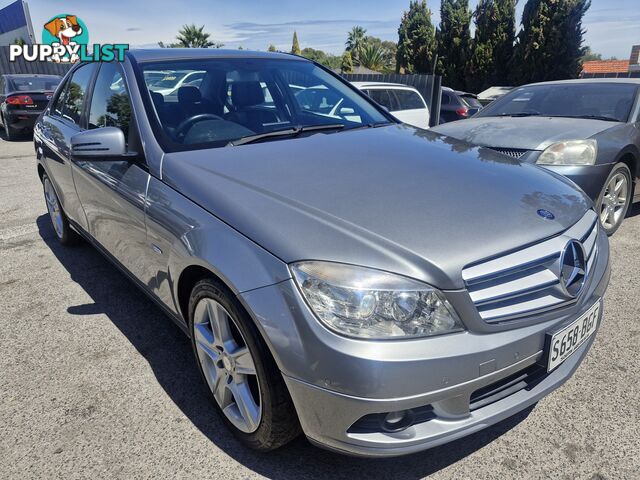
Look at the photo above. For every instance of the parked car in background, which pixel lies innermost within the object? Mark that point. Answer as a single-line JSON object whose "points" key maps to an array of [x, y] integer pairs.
{"points": [[492, 93], [587, 130], [168, 83], [351, 278], [457, 105], [404, 102], [22, 98]]}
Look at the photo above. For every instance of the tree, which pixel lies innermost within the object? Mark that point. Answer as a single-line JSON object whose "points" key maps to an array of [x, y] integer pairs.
{"points": [[328, 60], [373, 57], [454, 42], [416, 39], [295, 46], [272, 48], [590, 55], [493, 44], [389, 50], [549, 45], [346, 64], [355, 41], [195, 37]]}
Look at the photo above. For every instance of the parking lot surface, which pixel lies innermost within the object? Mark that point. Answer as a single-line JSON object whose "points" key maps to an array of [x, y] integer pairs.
{"points": [[96, 382]]}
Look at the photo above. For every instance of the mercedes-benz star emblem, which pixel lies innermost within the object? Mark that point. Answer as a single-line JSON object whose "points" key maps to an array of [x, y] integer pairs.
{"points": [[573, 268]]}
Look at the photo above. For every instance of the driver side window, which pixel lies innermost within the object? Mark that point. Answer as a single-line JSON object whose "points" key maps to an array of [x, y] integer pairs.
{"points": [[110, 104]]}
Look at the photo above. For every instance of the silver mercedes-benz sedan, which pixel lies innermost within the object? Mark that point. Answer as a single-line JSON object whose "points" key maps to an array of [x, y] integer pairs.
{"points": [[380, 288]]}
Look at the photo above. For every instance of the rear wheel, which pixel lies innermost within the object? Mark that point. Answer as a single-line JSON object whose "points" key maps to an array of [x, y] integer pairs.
{"points": [[64, 232], [243, 380], [615, 198], [9, 133]]}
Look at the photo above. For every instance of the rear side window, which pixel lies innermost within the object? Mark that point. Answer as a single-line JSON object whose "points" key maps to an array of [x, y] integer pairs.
{"points": [[110, 103], [385, 98], [409, 100], [75, 93], [446, 99]]}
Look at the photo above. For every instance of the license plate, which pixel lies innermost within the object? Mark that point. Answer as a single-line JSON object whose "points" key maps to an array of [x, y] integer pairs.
{"points": [[565, 342]]}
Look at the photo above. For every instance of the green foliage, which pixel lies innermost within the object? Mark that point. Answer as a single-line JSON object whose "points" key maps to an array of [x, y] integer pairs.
{"points": [[272, 48], [19, 41], [549, 45], [355, 41], [346, 64], [388, 49], [590, 56], [326, 59], [374, 57], [493, 44], [193, 37], [454, 43], [295, 46], [416, 39]]}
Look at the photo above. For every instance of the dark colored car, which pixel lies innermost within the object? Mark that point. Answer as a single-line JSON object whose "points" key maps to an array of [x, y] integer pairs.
{"points": [[22, 100], [586, 130], [457, 105]]}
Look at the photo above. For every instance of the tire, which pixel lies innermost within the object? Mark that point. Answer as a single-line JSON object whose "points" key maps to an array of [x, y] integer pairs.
{"points": [[9, 133], [64, 233], [220, 367], [615, 198]]}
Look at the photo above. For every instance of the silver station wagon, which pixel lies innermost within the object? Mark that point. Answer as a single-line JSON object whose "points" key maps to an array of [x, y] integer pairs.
{"points": [[380, 288]]}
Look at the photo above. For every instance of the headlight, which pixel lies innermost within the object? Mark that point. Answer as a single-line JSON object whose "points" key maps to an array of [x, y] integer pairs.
{"points": [[366, 303], [572, 152]]}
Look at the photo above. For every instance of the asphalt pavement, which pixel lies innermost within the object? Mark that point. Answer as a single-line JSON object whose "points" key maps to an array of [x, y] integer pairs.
{"points": [[95, 382]]}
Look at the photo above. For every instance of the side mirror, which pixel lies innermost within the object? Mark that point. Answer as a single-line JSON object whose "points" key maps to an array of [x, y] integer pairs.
{"points": [[347, 111], [107, 143]]}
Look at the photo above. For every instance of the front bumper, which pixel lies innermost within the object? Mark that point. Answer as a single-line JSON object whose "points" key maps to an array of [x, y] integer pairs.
{"points": [[336, 381], [590, 178]]}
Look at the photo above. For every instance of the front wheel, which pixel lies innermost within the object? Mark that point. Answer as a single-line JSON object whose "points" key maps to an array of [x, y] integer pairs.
{"points": [[615, 198], [242, 377]]}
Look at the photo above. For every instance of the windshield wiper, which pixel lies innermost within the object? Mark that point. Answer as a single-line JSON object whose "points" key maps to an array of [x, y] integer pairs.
{"points": [[519, 114], [287, 132], [591, 117]]}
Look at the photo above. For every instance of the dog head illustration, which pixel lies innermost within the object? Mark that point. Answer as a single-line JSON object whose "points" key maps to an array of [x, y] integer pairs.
{"points": [[64, 28]]}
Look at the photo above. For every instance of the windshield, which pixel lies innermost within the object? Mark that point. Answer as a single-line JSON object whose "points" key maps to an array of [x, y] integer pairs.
{"points": [[24, 84], [607, 101], [232, 99]]}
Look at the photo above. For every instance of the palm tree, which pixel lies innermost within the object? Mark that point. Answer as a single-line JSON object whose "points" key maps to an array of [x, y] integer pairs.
{"points": [[194, 37], [355, 40], [373, 57]]}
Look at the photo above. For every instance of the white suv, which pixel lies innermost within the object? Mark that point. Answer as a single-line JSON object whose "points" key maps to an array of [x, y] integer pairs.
{"points": [[403, 102]]}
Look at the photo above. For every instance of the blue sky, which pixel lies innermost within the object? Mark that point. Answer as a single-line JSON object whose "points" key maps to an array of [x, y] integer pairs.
{"points": [[612, 25]]}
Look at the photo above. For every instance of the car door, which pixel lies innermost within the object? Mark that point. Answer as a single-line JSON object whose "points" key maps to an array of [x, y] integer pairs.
{"points": [[411, 107], [59, 123], [113, 192]]}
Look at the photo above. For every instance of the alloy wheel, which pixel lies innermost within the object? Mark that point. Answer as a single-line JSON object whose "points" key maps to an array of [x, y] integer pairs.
{"points": [[54, 208], [227, 365], [614, 201]]}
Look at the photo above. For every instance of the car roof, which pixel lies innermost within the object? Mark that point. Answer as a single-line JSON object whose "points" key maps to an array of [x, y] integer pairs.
{"points": [[30, 75], [154, 54], [633, 81], [382, 85]]}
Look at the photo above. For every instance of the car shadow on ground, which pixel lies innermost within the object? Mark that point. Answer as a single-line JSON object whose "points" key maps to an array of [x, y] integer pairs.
{"points": [[168, 352], [20, 137]]}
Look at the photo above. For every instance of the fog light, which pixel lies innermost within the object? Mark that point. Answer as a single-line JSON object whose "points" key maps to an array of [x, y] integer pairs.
{"points": [[398, 421]]}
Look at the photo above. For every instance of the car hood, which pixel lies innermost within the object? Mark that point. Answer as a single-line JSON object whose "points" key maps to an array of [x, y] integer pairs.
{"points": [[393, 198], [530, 133]]}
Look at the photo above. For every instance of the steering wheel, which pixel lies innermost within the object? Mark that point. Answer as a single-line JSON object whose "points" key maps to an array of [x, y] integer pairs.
{"points": [[186, 124]]}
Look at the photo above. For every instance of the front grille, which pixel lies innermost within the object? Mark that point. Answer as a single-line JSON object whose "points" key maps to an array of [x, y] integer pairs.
{"points": [[528, 281], [525, 379], [511, 152]]}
